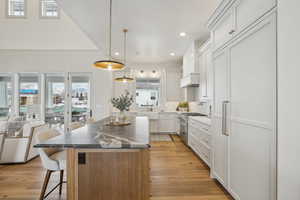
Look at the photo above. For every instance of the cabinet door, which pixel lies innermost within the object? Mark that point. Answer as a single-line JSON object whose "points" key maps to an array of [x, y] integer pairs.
{"points": [[167, 126], [203, 76], [205, 65], [224, 29], [219, 161], [247, 11], [252, 149]]}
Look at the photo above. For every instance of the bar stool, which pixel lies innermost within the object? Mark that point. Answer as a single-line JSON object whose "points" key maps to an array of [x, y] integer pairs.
{"points": [[52, 159]]}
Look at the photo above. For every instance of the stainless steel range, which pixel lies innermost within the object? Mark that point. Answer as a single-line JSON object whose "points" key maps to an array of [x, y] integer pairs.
{"points": [[184, 124]]}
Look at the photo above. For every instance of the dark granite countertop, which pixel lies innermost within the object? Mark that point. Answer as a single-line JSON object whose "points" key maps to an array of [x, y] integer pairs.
{"points": [[99, 135]]}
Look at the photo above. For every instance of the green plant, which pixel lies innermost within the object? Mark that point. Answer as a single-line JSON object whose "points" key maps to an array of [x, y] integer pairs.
{"points": [[123, 102]]}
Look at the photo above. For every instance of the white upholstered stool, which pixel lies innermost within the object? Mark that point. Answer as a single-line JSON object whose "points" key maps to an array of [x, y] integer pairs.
{"points": [[52, 159]]}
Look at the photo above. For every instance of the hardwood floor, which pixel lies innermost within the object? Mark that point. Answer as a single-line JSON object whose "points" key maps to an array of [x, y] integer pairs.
{"points": [[176, 174]]}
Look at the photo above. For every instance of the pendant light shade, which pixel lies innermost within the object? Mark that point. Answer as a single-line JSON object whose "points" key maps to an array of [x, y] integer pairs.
{"points": [[124, 78], [109, 64]]}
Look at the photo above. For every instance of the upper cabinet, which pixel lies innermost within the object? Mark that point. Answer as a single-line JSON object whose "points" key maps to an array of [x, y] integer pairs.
{"points": [[247, 11], [224, 29], [205, 69], [238, 16]]}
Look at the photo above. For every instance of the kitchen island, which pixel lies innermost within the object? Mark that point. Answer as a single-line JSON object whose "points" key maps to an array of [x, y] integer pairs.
{"points": [[106, 162]]}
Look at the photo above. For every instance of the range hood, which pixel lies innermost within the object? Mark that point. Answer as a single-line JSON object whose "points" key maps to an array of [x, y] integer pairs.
{"points": [[191, 80]]}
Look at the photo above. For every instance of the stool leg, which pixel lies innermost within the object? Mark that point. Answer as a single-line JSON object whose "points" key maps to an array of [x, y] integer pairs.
{"points": [[61, 181], [45, 184]]}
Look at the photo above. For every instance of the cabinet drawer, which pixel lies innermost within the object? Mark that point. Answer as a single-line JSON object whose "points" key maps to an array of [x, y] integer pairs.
{"points": [[199, 126], [206, 139], [194, 144], [195, 133], [205, 154], [224, 29], [200, 149]]}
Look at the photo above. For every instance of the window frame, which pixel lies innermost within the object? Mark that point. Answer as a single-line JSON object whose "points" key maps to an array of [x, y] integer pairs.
{"points": [[40, 89], [49, 17], [12, 81], [14, 16], [159, 92]]}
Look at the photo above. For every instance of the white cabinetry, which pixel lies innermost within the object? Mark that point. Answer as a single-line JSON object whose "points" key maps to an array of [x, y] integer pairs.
{"points": [[220, 142], [253, 114], [238, 16], [168, 123], [224, 29], [247, 11], [244, 114], [162, 122], [200, 139], [205, 68]]}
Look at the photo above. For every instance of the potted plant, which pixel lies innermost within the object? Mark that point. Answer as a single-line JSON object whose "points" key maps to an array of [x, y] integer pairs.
{"points": [[183, 107], [122, 103]]}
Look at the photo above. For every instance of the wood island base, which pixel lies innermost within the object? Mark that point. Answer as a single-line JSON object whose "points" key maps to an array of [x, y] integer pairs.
{"points": [[108, 174]]}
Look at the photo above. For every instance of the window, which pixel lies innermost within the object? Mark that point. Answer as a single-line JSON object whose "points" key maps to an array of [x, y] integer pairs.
{"points": [[80, 93], [29, 97], [147, 92], [55, 99], [49, 9], [16, 8], [6, 96]]}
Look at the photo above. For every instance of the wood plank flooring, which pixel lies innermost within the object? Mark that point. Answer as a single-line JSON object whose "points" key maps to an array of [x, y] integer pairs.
{"points": [[176, 174]]}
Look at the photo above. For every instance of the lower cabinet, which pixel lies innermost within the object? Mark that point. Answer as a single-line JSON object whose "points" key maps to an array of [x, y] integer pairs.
{"points": [[164, 123], [168, 123], [200, 140]]}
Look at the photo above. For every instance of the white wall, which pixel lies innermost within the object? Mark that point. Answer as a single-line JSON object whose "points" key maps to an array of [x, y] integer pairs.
{"points": [[35, 33], [288, 100], [63, 61]]}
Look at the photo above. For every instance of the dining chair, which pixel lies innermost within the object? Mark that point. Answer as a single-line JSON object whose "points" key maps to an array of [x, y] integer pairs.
{"points": [[53, 160]]}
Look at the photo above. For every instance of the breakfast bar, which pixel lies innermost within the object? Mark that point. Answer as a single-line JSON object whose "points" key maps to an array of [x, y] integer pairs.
{"points": [[106, 162]]}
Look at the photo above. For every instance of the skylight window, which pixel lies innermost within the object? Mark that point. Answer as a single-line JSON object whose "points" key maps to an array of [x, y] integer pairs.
{"points": [[49, 9], [16, 8]]}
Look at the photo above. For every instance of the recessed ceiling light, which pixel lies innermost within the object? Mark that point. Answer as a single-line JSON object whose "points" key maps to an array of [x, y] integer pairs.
{"points": [[117, 53], [182, 34], [172, 54]]}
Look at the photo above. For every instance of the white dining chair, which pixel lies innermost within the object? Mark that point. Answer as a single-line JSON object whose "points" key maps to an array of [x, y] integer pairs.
{"points": [[53, 160]]}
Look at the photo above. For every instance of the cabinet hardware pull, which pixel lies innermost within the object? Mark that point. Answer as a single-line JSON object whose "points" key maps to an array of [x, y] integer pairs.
{"points": [[224, 118], [231, 32]]}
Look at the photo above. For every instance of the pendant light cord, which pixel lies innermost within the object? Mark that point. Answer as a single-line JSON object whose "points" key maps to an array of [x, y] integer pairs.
{"points": [[125, 49], [110, 28], [125, 43]]}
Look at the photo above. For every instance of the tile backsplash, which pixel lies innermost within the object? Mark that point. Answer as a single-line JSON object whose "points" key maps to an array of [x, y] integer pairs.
{"points": [[194, 106]]}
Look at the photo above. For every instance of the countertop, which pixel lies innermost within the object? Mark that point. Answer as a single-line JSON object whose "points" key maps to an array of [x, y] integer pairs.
{"points": [[202, 119], [100, 135]]}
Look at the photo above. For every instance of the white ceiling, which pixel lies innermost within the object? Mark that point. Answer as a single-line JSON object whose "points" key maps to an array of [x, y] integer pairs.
{"points": [[154, 25]]}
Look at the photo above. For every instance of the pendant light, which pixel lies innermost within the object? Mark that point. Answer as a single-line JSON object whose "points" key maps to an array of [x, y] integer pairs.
{"points": [[109, 64], [124, 78]]}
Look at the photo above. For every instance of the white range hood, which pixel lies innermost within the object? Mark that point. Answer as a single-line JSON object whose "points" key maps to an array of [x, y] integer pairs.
{"points": [[190, 68], [191, 80]]}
